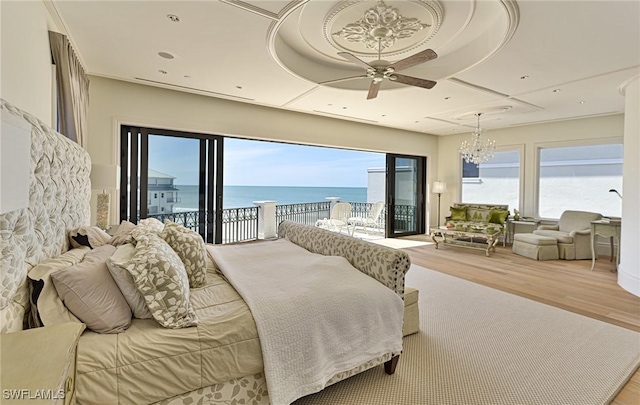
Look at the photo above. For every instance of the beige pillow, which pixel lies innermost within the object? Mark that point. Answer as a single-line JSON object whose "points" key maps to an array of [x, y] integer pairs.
{"points": [[90, 293], [90, 236], [162, 280], [46, 307], [117, 267], [190, 247], [121, 236], [151, 225]]}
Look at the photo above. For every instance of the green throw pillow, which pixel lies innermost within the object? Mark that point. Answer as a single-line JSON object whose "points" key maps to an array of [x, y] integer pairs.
{"points": [[498, 216], [458, 214]]}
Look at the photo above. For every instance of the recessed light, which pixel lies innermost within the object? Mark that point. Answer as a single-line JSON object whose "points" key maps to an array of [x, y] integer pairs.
{"points": [[582, 102], [239, 87], [384, 115], [165, 55], [415, 122], [447, 98], [329, 104], [173, 18], [344, 108], [525, 77], [187, 77], [556, 90], [164, 72]]}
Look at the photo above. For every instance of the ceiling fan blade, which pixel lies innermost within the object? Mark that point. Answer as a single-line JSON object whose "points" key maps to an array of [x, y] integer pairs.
{"points": [[373, 90], [344, 79], [413, 81], [352, 58], [413, 60]]}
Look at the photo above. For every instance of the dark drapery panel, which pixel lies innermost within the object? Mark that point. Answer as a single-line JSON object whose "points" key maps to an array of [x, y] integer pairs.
{"points": [[72, 89]]}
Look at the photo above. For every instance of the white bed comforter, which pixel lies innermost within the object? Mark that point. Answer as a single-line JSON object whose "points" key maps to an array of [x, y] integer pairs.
{"points": [[316, 315]]}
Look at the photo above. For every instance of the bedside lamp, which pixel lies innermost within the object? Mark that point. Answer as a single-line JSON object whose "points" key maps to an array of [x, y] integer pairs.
{"points": [[103, 177], [439, 187]]}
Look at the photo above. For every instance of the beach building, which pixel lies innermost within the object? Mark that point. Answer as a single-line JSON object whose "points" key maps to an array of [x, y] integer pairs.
{"points": [[162, 194]]}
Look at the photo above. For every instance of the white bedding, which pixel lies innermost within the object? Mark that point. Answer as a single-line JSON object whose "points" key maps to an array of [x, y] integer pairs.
{"points": [[316, 315]]}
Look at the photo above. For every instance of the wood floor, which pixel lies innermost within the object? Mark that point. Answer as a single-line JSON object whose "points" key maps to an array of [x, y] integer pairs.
{"points": [[569, 285]]}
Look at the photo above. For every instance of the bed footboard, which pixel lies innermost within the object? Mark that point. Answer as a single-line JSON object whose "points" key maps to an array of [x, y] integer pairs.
{"points": [[384, 264]]}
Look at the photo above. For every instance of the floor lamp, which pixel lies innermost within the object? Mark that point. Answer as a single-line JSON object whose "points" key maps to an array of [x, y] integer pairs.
{"points": [[439, 187]]}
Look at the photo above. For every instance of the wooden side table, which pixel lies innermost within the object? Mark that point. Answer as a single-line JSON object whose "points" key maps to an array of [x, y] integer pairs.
{"points": [[607, 229], [38, 365]]}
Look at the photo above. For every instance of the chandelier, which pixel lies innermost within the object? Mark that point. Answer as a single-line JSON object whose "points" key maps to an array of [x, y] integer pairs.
{"points": [[477, 150]]}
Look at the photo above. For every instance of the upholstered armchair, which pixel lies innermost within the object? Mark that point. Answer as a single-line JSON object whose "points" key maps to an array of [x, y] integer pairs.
{"points": [[573, 233]]}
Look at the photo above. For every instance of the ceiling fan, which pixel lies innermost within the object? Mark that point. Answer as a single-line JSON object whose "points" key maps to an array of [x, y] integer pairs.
{"points": [[380, 70]]}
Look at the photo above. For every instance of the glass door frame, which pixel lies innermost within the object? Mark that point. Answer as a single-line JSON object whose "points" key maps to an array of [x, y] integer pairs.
{"points": [[210, 163], [421, 173]]}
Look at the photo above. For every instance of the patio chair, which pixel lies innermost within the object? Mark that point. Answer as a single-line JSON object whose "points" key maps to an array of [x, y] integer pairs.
{"points": [[339, 218], [369, 222]]}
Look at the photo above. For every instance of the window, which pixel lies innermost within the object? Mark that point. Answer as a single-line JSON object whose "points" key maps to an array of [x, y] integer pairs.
{"points": [[494, 182], [579, 178]]}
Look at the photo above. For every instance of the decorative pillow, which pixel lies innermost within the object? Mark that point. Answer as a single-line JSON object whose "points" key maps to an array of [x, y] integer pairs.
{"points": [[46, 307], [478, 214], [162, 280], [90, 293], [151, 225], [190, 247], [117, 267], [498, 216], [90, 236], [458, 214], [121, 236]]}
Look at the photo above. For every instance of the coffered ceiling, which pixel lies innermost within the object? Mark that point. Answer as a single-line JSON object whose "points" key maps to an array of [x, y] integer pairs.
{"points": [[517, 62]]}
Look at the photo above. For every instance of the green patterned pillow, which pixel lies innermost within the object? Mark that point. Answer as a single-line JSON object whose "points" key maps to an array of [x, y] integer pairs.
{"points": [[478, 214], [458, 214], [162, 280], [498, 216], [190, 248]]}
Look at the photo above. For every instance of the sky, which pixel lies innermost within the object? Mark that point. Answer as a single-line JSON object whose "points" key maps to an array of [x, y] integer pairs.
{"points": [[261, 163]]}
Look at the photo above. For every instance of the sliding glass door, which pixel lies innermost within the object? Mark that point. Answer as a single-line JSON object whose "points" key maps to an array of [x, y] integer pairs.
{"points": [[172, 175], [405, 195]]}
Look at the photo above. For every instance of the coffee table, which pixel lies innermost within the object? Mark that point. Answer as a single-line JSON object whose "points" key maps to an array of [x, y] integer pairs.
{"points": [[468, 239]]}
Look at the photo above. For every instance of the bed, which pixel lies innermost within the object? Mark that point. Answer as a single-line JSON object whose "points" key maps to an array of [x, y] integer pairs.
{"points": [[245, 340]]}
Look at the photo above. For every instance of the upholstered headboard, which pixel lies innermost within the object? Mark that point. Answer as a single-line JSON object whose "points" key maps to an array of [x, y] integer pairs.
{"points": [[59, 197]]}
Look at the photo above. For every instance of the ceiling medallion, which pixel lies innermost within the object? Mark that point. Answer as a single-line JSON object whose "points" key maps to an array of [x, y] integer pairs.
{"points": [[380, 27]]}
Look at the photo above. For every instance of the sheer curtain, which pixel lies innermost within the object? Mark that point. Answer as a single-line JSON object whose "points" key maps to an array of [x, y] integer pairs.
{"points": [[72, 89]]}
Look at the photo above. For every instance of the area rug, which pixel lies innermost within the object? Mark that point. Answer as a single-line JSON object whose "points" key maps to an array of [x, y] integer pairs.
{"points": [[478, 345]]}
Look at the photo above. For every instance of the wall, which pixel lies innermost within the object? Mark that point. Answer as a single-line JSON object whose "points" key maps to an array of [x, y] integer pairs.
{"points": [[528, 137], [113, 102], [629, 269], [26, 60]]}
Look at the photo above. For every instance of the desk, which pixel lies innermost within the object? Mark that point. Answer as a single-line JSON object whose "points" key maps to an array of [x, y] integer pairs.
{"points": [[607, 229]]}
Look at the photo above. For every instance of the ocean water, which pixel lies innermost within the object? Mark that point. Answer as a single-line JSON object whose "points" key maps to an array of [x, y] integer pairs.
{"points": [[243, 196]]}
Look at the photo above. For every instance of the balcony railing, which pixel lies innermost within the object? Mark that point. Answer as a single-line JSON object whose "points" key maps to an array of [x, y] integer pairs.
{"points": [[306, 213], [241, 224]]}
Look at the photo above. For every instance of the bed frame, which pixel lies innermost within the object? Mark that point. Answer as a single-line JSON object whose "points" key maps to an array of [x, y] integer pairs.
{"points": [[59, 197], [59, 200]]}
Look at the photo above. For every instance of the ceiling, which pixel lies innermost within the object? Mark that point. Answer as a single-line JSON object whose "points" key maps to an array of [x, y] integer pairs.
{"points": [[516, 62]]}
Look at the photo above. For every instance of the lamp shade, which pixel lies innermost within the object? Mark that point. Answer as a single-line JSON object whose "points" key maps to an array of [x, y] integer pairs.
{"points": [[104, 176], [15, 162], [439, 187]]}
